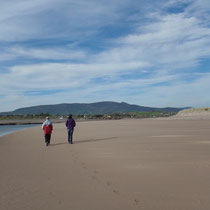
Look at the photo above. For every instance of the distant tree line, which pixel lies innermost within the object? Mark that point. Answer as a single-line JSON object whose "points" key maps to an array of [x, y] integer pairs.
{"points": [[93, 116]]}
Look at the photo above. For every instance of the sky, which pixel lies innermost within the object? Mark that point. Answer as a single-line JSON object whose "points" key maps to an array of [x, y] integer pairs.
{"points": [[147, 52]]}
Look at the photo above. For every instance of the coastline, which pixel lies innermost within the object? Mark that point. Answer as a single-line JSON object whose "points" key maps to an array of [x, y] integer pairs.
{"points": [[10, 128], [26, 121], [40, 121]]}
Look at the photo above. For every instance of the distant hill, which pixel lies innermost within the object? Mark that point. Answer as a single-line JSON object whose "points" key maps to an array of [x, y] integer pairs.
{"points": [[106, 107]]}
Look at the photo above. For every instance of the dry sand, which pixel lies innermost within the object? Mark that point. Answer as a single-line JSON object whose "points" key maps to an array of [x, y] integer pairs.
{"points": [[123, 164]]}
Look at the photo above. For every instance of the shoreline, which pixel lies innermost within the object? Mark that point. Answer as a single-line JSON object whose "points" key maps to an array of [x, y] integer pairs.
{"points": [[40, 121], [33, 124], [26, 121], [9, 129], [17, 123]]}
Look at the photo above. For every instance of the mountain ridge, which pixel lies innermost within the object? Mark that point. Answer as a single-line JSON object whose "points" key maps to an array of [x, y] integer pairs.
{"points": [[103, 107]]}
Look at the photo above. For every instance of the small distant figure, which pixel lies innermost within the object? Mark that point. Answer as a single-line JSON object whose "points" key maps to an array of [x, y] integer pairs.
{"points": [[70, 124], [47, 126]]}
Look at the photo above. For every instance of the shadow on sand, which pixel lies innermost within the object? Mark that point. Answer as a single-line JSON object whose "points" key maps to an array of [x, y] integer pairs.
{"points": [[93, 140], [58, 144], [84, 141]]}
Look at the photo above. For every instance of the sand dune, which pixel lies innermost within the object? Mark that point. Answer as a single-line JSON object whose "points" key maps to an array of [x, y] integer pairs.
{"points": [[122, 164], [193, 114]]}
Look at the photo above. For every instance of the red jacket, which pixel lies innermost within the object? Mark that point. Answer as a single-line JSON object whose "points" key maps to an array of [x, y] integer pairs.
{"points": [[48, 129]]}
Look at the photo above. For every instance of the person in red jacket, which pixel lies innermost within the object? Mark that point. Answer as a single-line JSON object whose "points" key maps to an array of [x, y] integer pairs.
{"points": [[47, 126]]}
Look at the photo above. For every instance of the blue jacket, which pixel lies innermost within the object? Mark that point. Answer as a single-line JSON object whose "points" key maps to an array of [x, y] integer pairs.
{"points": [[70, 123]]}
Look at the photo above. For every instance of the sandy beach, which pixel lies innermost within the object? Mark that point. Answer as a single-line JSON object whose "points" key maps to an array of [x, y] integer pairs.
{"points": [[115, 164]]}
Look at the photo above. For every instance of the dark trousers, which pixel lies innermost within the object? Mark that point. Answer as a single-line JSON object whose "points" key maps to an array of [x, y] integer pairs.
{"points": [[70, 135], [47, 138]]}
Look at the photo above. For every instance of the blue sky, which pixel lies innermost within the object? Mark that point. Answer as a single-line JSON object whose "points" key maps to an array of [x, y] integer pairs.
{"points": [[150, 53]]}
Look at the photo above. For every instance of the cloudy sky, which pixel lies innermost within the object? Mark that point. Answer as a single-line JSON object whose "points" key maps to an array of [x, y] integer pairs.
{"points": [[145, 52]]}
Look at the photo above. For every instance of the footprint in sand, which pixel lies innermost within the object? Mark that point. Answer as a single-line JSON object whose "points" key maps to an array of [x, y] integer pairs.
{"points": [[136, 201], [96, 172], [108, 183], [116, 192], [94, 177], [84, 165]]}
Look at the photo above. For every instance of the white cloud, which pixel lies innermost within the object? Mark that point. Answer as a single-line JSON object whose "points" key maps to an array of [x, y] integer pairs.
{"points": [[180, 93], [53, 53], [148, 65], [177, 93], [172, 39], [70, 19], [52, 76]]}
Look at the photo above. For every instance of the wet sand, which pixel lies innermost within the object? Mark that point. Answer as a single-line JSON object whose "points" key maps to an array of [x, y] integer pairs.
{"points": [[118, 164]]}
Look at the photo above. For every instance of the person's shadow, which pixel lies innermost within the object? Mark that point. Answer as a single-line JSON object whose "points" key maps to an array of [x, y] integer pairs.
{"points": [[58, 144], [85, 141], [93, 140]]}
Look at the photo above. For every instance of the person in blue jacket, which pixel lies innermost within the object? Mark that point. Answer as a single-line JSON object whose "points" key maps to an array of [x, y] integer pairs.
{"points": [[70, 124]]}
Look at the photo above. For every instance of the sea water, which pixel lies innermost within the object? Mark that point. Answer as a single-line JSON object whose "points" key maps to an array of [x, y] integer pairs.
{"points": [[6, 129]]}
